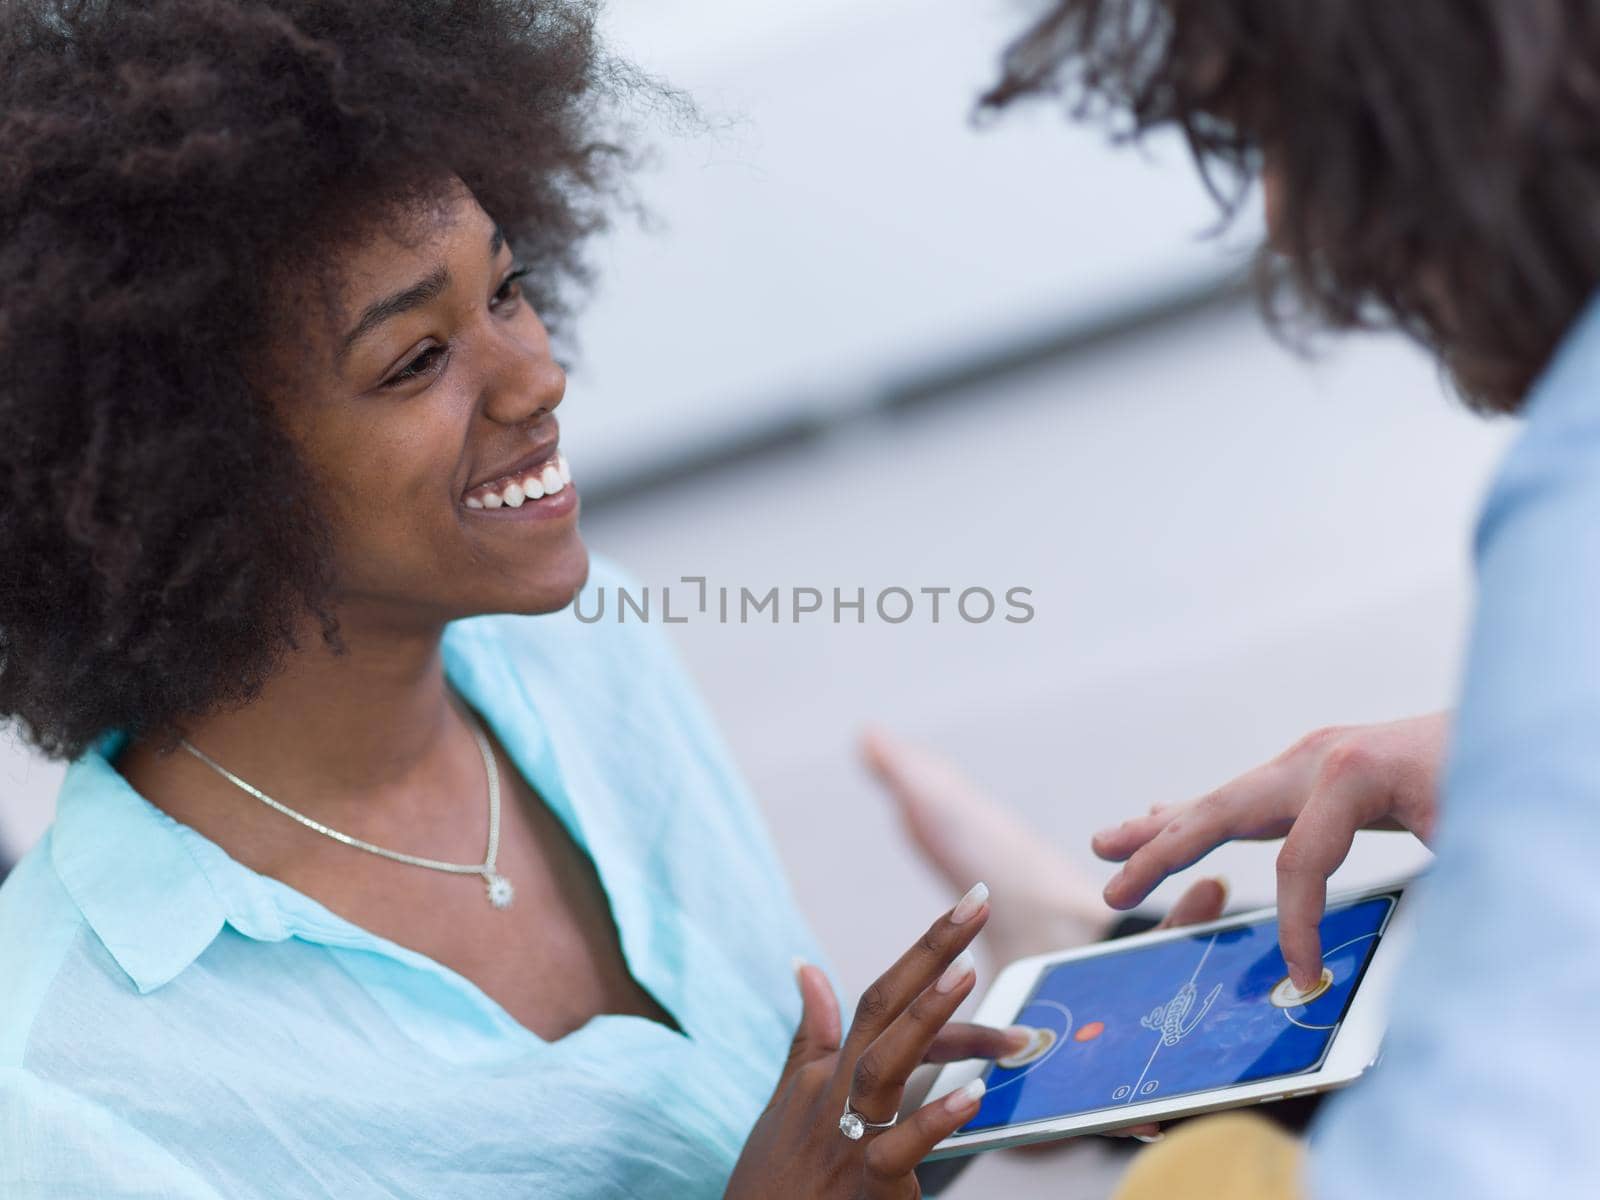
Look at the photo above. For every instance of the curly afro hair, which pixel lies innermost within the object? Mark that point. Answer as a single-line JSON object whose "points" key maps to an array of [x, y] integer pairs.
{"points": [[1439, 163], [161, 163]]}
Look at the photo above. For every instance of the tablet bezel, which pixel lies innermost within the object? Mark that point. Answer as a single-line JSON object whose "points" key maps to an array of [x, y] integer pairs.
{"points": [[1355, 1046]]}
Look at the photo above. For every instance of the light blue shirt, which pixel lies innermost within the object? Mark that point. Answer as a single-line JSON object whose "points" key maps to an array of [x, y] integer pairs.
{"points": [[1490, 1082], [173, 1024]]}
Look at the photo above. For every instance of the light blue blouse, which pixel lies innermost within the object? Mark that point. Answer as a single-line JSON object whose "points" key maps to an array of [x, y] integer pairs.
{"points": [[173, 1024], [1487, 1085]]}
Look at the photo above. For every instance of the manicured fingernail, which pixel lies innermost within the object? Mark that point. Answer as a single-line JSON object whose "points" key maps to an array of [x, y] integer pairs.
{"points": [[1147, 1138], [969, 904], [956, 973], [1019, 1037], [966, 1095]]}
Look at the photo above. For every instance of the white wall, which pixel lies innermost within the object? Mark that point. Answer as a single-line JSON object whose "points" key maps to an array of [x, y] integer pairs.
{"points": [[842, 222]]}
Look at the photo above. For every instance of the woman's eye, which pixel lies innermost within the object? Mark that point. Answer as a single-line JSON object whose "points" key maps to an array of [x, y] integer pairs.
{"points": [[417, 367], [511, 291]]}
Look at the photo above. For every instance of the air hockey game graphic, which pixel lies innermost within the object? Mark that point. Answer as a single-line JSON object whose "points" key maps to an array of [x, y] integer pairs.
{"points": [[1181, 1016]]}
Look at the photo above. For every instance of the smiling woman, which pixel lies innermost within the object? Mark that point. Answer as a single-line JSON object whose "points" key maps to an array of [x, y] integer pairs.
{"points": [[448, 892], [181, 183], [429, 388]]}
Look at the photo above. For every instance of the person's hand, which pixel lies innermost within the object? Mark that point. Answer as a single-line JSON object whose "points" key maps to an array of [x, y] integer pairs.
{"points": [[796, 1150], [1046, 901], [1315, 796]]}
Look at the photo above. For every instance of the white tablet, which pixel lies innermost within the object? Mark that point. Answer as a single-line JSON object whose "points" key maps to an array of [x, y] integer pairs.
{"points": [[1181, 1021]]}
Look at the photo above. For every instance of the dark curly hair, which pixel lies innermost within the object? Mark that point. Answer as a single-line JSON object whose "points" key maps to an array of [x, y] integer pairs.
{"points": [[164, 166], [1439, 162]]}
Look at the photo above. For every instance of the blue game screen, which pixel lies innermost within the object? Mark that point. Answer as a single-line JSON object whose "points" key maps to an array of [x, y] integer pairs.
{"points": [[1180, 1016]]}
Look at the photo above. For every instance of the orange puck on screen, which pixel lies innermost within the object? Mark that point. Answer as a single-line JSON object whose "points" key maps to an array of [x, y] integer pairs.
{"points": [[1088, 1033]]}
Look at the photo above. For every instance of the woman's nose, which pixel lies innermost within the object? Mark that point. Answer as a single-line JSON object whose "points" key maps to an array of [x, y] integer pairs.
{"points": [[528, 385]]}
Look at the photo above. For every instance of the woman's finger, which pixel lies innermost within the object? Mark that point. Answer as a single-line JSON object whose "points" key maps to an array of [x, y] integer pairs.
{"points": [[878, 1079], [958, 1040], [893, 1154], [918, 967], [818, 1034]]}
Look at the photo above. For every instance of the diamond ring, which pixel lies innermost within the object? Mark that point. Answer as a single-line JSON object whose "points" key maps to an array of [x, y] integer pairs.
{"points": [[852, 1124]]}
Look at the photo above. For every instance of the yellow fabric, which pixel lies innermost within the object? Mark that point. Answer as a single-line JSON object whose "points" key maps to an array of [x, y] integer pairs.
{"points": [[1235, 1156]]}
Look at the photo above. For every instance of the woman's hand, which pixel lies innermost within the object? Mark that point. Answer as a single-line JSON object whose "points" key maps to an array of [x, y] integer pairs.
{"points": [[1315, 796], [796, 1150]]}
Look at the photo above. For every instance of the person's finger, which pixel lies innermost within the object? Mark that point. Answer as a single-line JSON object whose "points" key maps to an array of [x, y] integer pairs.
{"points": [[1315, 847], [1252, 806], [893, 1154], [1203, 901], [818, 1034], [918, 967], [878, 1078], [1117, 842], [958, 1040]]}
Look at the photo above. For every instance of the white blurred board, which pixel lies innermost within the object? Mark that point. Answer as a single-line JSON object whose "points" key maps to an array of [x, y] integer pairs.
{"points": [[843, 223]]}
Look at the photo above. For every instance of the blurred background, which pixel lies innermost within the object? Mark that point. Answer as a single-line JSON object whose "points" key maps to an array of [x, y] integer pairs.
{"points": [[863, 344]]}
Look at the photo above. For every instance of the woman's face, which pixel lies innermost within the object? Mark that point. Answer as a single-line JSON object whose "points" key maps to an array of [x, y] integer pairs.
{"points": [[427, 414]]}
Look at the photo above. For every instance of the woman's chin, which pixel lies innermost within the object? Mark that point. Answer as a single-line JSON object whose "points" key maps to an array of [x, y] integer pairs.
{"points": [[554, 583]]}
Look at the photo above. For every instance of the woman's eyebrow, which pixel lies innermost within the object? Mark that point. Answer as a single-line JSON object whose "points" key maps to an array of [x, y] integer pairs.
{"points": [[418, 294]]}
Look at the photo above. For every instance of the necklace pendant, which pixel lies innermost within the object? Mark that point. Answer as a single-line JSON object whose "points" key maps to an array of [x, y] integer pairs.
{"points": [[500, 890]]}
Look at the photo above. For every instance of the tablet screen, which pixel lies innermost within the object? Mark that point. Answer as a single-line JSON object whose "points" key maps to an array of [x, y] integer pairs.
{"points": [[1177, 1017]]}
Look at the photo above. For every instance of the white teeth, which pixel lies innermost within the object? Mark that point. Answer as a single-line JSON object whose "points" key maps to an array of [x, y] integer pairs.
{"points": [[534, 486]]}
